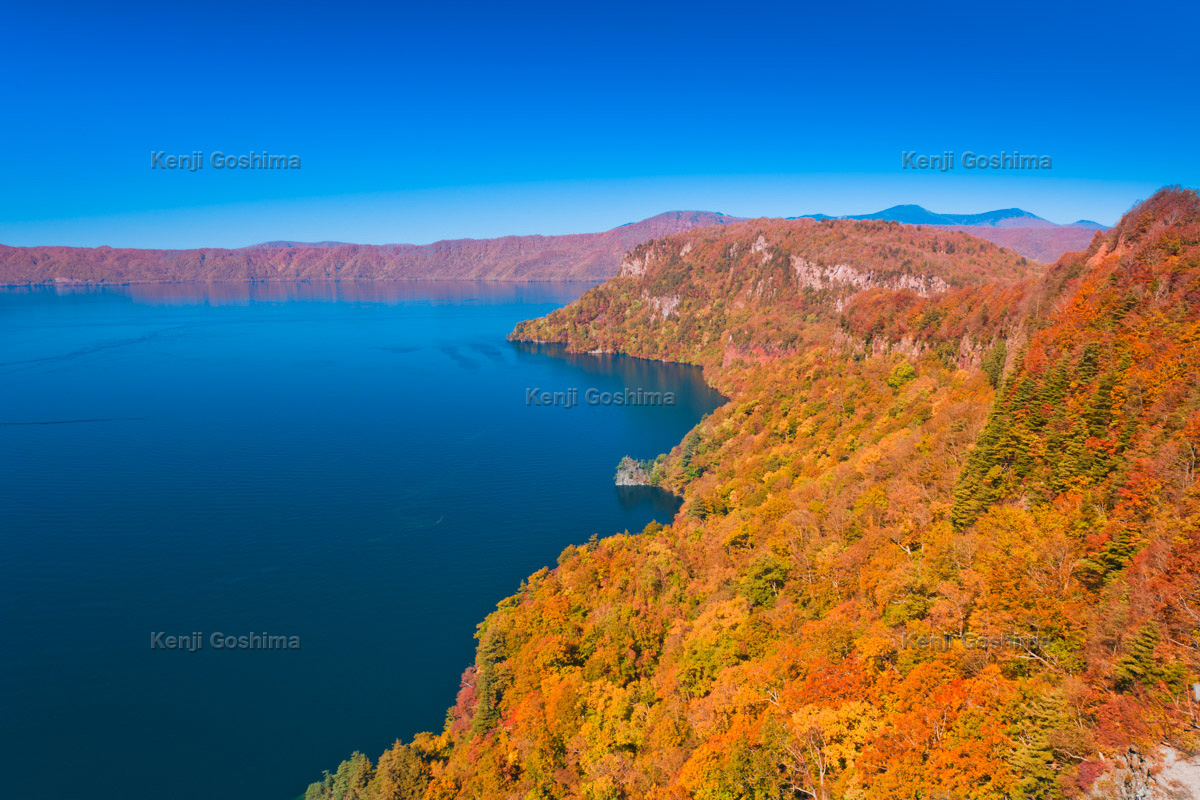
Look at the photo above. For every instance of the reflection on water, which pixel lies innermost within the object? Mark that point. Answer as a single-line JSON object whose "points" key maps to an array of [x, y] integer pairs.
{"points": [[662, 501], [637, 371], [247, 292]]}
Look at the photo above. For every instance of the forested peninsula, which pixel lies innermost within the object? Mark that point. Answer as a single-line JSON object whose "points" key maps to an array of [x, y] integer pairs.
{"points": [[943, 540]]}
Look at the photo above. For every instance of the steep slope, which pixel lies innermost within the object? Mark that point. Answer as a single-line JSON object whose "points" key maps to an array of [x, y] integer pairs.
{"points": [[944, 540], [755, 288], [585, 256]]}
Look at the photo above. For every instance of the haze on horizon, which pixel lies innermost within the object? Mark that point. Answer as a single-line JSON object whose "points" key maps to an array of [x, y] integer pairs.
{"points": [[404, 137]]}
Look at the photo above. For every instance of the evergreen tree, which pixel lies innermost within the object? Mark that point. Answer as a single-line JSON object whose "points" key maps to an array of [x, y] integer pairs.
{"points": [[993, 362], [1138, 666], [489, 687], [1032, 759]]}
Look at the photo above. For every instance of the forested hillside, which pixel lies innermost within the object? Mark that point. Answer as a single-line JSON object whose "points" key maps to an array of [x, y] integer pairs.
{"points": [[943, 541], [580, 256]]}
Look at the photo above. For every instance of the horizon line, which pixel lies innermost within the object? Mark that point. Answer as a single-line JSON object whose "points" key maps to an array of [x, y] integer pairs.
{"points": [[327, 242]]}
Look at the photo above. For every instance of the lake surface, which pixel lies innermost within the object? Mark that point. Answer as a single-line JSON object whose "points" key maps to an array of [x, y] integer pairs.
{"points": [[354, 465]]}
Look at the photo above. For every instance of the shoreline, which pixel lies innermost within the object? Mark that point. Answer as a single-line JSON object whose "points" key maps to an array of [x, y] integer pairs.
{"points": [[242, 281]]}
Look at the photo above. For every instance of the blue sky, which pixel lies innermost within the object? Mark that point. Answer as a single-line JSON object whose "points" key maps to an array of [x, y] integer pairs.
{"points": [[415, 123]]}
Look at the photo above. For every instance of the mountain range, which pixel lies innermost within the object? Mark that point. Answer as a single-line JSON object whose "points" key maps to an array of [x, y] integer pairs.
{"points": [[581, 256], [1014, 228], [1000, 218]]}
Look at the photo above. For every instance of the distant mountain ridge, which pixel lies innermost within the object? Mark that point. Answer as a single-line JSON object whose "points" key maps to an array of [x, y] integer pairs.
{"points": [[278, 245], [1015, 228], [911, 214], [580, 256]]}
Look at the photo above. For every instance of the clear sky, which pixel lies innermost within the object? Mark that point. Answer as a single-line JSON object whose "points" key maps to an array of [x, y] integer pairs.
{"points": [[416, 122]]}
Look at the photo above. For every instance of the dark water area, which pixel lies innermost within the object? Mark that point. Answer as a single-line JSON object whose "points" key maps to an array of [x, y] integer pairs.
{"points": [[355, 465]]}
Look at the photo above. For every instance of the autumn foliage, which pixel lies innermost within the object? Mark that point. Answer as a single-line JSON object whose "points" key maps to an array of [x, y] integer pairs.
{"points": [[943, 541]]}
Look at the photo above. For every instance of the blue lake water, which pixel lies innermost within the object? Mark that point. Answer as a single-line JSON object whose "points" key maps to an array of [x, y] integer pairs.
{"points": [[354, 465]]}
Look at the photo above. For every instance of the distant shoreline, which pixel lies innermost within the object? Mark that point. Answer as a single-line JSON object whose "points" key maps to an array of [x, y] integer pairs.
{"points": [[267, 281]]}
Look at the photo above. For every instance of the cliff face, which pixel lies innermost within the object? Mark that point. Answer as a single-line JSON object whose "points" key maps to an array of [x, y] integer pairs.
{"points": [[585, 256], [764, 287], [944, 540], [631, 472]]}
